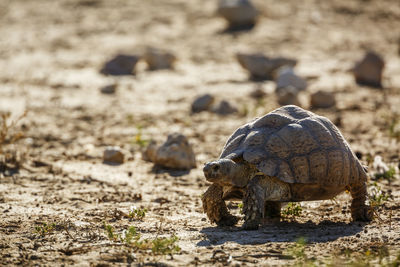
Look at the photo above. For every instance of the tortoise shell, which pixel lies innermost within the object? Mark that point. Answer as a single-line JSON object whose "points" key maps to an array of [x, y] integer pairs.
{"points": [[296, 146]]}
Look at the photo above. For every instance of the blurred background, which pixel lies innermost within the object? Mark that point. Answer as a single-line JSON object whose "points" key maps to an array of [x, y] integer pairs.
{"points": [[88, 82]]}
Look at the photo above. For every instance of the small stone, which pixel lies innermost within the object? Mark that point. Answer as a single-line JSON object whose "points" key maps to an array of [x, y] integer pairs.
{"points": [[287, 78], [108, 89], [150, 153], [224, 108], [323, 99], [369, 70], [120, 65], [257, 93], [175, 153], [157, 59], [262, 67], [288, 96], [240, 14], [113, 155], [202, 103]]}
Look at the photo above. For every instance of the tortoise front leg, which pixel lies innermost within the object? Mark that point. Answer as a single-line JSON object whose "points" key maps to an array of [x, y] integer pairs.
{"points": [[215, 208], [253, 204]]}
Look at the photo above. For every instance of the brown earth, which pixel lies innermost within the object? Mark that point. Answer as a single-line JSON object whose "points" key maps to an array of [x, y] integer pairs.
{"points": [[50, 56]]}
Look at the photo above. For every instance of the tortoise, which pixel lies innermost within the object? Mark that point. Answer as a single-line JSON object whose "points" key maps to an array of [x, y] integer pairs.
{"points": [[288, 155]]}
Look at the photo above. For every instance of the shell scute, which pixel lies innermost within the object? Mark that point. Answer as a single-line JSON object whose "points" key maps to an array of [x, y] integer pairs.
{"points": [[285, 173], [320, 132], [271, 120], [298, 138], [277, 147], [300, 168]]}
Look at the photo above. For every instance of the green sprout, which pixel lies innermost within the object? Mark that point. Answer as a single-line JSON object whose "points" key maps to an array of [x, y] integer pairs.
{"points": [[45, 228], [135, 213], [377, 196], [387, 175], [292, 210]]}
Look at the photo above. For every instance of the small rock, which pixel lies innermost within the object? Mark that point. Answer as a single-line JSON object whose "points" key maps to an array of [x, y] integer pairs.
{"points": [[157, 59], [150, 153], [262, 67], [288, 96], [120, 65], [323, 99], [108, 89], [258, 93], [240, 14], [113, 155], [369, 70], [175, 153], [224, 108], [202, 103], [287, 78]]}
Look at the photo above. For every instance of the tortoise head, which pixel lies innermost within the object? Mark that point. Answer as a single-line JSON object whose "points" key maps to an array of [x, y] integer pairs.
{"points": [[227, 172]]}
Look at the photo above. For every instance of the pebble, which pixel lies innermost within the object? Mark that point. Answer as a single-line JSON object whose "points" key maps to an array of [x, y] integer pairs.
{"points": [[202, 103], [224, 108], [257, 93], [175, 153], [113, 155], [287, 78], [288, 96], [158, 59], [322, 99], [369, 70], [120, 65], [240, 14], [262, 67], [108, 89]]}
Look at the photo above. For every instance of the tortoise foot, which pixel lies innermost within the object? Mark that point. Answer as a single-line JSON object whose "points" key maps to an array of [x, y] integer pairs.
{"points": [[364, 214]]}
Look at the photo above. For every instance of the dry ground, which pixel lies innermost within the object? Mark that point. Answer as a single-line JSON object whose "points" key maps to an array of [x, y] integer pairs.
{"points": [[50, 56]]}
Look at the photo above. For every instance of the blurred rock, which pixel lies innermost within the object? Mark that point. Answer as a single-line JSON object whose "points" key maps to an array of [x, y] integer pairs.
{"points": [[108, 89], [262, 67], [157, 59], [120, 65], [240, 14], [257, 93], [287, 78], [202, 103], [369, 70], [288, 96], [224, 108], [322, 99], [175, 153], [150, 153], [113, 155]]}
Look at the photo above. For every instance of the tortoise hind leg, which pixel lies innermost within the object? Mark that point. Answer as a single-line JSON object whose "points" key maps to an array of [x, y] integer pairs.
{"points": [[360, 211], [272, 211]]}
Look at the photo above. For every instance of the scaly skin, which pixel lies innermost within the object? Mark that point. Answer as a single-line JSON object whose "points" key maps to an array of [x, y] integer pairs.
{"points": [[360, 211], [215, 208]]}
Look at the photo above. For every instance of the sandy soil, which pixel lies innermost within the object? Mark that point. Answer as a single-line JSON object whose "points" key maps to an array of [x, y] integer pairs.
{"points": [[50, 56]]}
